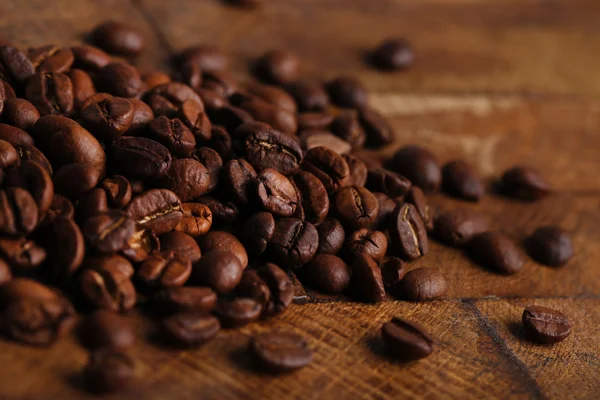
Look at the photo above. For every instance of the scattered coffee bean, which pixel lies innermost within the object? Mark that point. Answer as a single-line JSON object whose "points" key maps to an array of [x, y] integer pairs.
{"points": [[187, 178], [89, 58], [525, 183], [327, 165], [182, 244], [393, 270], [348, 92], [408, 233], [313, 203], [358, 170], [212, 162], [50, 93], [205, 57], [109, 232], [118, 37], [419, 166], [460, 179], [309, 95], [268, 148], [422, 284], [496, 250], [550, 245], [108, 370], [416, 197], [457, 227], [393, 54], [387, 182], [156, 209], [328, 273], [174, 134], [545, 325], [406, 340], [22, 254], [238, 312], [19, 213], [20, 113], [280, 352], [108, 287], [141, 158], [219, 270], [191, 328], [379, 132], [224, 212], [240, 181], [278, 66], [386, 207], [118, 190]]}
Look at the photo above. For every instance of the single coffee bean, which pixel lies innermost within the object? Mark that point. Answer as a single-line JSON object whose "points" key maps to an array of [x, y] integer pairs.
{"points": [[526, 183], [294, 242], [83, 87], [309, 95], [378, 131], [460, 180], [240, 181], [550, 245], [457, 227], [157, 209], [86, 175], [416, 197], [15, 136], [20, 113], [393, 54], [422, 284], [313, 203], [108, 118], [315, 120], [140, 158], [328, 273], [254, 287], [8, 154], [276, 193], [109, 232], [192, 114], [496, 250], [408, 232], [392, 271], [268, 148], [273, 95], [191, 328], [388, 182], [238, 312], [142, 117], [347, 126], [366, 280], [221, 82], [358, 170], [278, 66], [22, 255], [164, 270], [312, 138], [9, 92], [118, 37], [419, 166], [230, 118], [187, 178], [118, 190], [406, 340], [545, 325], [108, 370], [24, 288], [224, 212], [15, 66], [206, 57], [331, 236], [257, 232], [386, 208], [65, 246], [5, 272], [219, 270], [182, 244], [212, 100], [50, 93], [331, 169], [196, 220], [191, 75], [221, 142], [105, 328], [183, 298], [19, 213], [30, 153], [59, 207], [167, 99], [141, 245], [356, 206], [281, 288], [280, 352], [109, 287], [280, 119], [347, 92], [224, 241], [92, 204], [112, 263], [213, 163], [89, 58], [368, 242]]}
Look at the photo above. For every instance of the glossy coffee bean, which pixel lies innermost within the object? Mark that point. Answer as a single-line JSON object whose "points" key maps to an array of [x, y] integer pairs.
{"points": [[550, 245], [167, 99], [190, 328], [164, 270], [281, 288], [15, 136], [239, 178], [358, 170], [108, 286], [108, 370], [367, 281], [263, 111], [273, 95], [65, 245], [182, 244], [457, 227], [356, 207], [19, 213], [206, 57], [525, 182], [276, 193], [118, 190], [545, 325], [408, 232], [221, 82], [92, 204], [191, 75], [224, 241], [89, 58], [31, 153], [367, 242], [327, 165], [109, 232], [406, 340], [416, 197], [393, 270], [294, 242], [309, 95], [331, 236], [141, 245], [280, 352], [8, 154], [393, 54], [50, 93], [328, 273], [59, 207], [87, 175], [257, 232], [83, 87], [105, 328], [51, 58], [496, 251], [142, 117], [118, 37], [221, 142], [224, 212], [254, 287], [347, 92], [238, 312], [388, 182], [379, 132], [212, 162], [185, 298], [108, 118], [219, 270], [157, 209], [422, 284], [196, 220], [112, 263], [386, 207], [187, 178], [313, 205], [268, 148], [278, 66], [120, 79], [20, 113], [315, 120], [192, 114], [15, 66], [22, 255], [419, 166], [140, 158], [460, 180]]}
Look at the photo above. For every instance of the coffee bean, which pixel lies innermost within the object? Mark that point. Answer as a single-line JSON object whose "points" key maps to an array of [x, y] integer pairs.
{"points": [[460, 179], [18, 212], [392, 271], [30, 153], [422, 284], [312, 138], [50, 93], [273, 95], [268, 148], [183, 298], [406, 340], [220, 270], [51, 58], [386, 207], [313, 203], [19, 113], [65, 246], [113, 263], [156, 209], [9, 92], [331, 169], [108, 370], [366, 280], [15, 66], [164, 270], [393, 54], [89, 58], [276, 193], [496, 250], [331, 236], [416, 197], [118, 190], [347, 126], [358, 170], [120, 79], [87, 176], [206, 57], [167, 99], [15, 136], [379, 132], [109, 232], [278, 66], [419, 166], [183, 245], [238, 312], [196, 220], [280, 119], [118, 37], [408, 233], [240, 181], [187, 178], [309, 95], [212, 100], [140, 158], [545, 325], [550, 245], [526, 183], [388, 182], [109, 118], [109, 287], [253, 286], [83, 87], [191, 328], [280, 352], [22, 255], [347, 92], [191, 75], [328, 273], [367, 242], [5, 272], [92, 204], [294, 242], [141, 245], [457, 227], [224, 241], [224, 212], [8, 154], [213, 163], [281, 289], [155, 78], [221, 142], [192, 114], [257, 232], [142, 117], [356, 206], [106, 329], [59, 207], [315, 120], [221, 82]]}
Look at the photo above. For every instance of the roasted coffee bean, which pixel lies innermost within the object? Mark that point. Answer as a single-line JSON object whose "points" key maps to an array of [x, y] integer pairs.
{"points": [[230, 118], [108, 370], [416, 197], [83, 87], [347, 92], [309, 95], [212, 100], [393, 54], [15, 136], [526, 183], [224, 212], [545, 325], [238, 312], [65, 246], [118, 37], [192, 114], [164, 270], [178, 299], [315, 120], [257, 232], [497, 251], [378, 131], [318, 138], [96, 98], [213, 163], [167, 99], [280, 352], [392, 271], [356, 207], [8, 154], [110, 262], [5, 272], [105, 328], [276, 193], [187, 178], [32, 177], [405, 340], [59, 207], [281, 288], [51, 58], [419, 166], [108, 118], [328, 273], [386, 207], [268, 148], [294, 242], [22, 255], [191, 328], [364, 241], [118, 190], [15, 66], [191, 75], [137, 186], [221, 142], [457, 227], [109, 232], [142, 117], [140, 158], [8, 91], [422, 284], [120, 79], [182, 244], [273, 95], [239, 179], [87, 176], [141, 245], [18, 212], [31, 153], [331, 169], [108, 287], [157, 209], [278, 66], [460, 179], [196, 220], [220, 270], [204, 56], [367, 282], [331, 236], [358, 170], [313, 203], [254, 287], [89, 58], [388, 182], [19, 113], [221, 82], [280, 119], [50, 93], [224, 241], [92, 204], [550, 245], [408, 232]]}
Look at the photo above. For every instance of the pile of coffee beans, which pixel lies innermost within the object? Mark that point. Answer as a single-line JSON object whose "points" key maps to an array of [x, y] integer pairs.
{"points": [[200, 197]]}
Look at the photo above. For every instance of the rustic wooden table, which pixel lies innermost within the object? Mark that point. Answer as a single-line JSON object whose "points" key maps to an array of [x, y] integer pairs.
{"points": [[496, 81]]}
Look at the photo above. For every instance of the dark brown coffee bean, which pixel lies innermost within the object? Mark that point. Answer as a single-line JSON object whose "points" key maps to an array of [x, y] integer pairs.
{"points": [[367, 281], [9, 92], [378, 131], [545, 325], [408, 232], [278, 66], [238, 312], [393, 54], [108, 118], [224, 241], [167, 99], [497, 251], [280, 352], [192, 114], [164, 270], [118, 190], [309, 95], [328, 273], [137, 186], [331, 236], [280, 119], [312, 138], [182, 244], [550, 245], [20, 113], [141, 245], [108, 370], [118, 37], [254, 287], [142, 117], [257, 232], [347, 92], [268, 148], [221, 82], [392, 271], [212, 100], [221, 142], [87, 176], [460, 179], [276, 193], [315, 120], [178, 299], [406, 340], [140, 157], [239, 178], [8, 154], [187, 178], [31, 153], [224, 212], [358, 170], [18, 212], [191, 328], [273, 95], [196, 220], [213, 163], [457, 227], [422, 284], [50, 93], [220, 270], [109, 287], [230, 118], [294, 242], [281, 288], [106, 329], [92, 204], [15, 66], [15, 136], [65, 246], [191, 75], [313, 203], [155, 78], [83, 87], [120, 79], [331, 169], [51, 58], [526, 183], [112, 263], [157, 209], [419, 166], [109, 232], [205, 57], [32, 177], [388, 182], [5, 272], [416, 197], [367, 242], [386, 207], [356, 206], [89, 58], [22, 254], [59, 207]]}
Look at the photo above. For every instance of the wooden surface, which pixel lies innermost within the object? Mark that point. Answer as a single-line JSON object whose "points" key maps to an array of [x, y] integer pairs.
{"points": [[497, 81]]}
